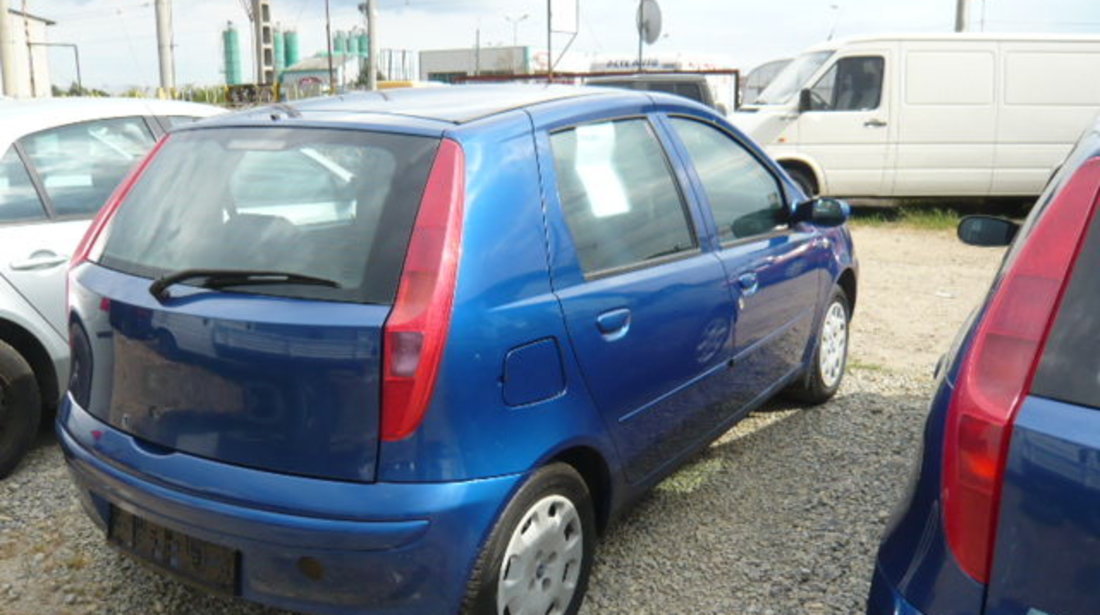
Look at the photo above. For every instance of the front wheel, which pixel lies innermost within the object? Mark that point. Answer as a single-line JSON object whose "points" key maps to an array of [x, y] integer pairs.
{"points": [[826, 369], [539, 554]]}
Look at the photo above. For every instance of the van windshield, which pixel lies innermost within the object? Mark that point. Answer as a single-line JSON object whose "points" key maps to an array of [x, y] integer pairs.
{"points": [[792, 78], [332, 204]]}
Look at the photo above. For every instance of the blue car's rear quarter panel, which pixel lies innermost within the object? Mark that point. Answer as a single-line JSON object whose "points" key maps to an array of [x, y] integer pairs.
{"points": [[1047, 553], [503, 304]]}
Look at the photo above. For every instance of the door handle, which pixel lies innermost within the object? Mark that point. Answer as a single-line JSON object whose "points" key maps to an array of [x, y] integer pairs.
{"points": [[874, 123], [614, 324], [749, 284], [40, 259]]}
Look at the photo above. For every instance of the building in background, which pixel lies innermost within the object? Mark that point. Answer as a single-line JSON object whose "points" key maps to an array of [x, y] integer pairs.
{"points": [[449, 65], [32, 63]]}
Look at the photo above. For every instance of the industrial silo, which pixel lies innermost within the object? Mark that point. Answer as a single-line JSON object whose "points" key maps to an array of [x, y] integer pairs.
{"points": [[340, 43], [231, 41], [279, 45], [364, 44], [353, 44], [290, 42]]}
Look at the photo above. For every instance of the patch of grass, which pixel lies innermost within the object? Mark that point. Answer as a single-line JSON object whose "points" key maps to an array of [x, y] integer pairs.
{"points": [[866, 367], [923, 218]]}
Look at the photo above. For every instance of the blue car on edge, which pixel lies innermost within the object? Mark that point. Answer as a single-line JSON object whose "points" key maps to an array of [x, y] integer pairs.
{"points": [[1003, 513], [411, 352]]}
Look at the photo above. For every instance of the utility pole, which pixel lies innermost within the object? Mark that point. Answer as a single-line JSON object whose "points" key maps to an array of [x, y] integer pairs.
{"points": [[328, 47], [962, 15], [372, 46], [7, 51], [164, 45]]}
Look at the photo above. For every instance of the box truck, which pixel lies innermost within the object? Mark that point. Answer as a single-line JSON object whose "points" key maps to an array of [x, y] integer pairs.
{"points": [[929, 115]]}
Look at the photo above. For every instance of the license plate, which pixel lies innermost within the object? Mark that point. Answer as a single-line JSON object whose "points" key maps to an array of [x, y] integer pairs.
{"points": [[197, 561]]}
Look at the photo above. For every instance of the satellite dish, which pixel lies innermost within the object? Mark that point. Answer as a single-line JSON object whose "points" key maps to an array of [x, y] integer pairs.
{"points": [[649, 21]]}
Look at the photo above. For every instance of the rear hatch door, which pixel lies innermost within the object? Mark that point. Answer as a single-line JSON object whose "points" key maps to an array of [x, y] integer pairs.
{"points": [[279, 252]]}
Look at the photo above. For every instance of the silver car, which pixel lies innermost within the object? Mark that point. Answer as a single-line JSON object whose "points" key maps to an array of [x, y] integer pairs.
{"points": [[59, 161]]}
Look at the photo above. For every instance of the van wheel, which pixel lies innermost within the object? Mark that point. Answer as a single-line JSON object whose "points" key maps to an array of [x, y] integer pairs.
{"points": [[803, 179], [826, 370], [539, 554], [20, 408]]}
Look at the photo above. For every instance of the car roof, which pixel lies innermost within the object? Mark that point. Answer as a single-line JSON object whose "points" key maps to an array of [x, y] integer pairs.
{"points": [[459, 104], [21, 117]]}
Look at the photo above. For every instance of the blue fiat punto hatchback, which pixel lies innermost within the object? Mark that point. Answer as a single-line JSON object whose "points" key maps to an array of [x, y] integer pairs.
{"points": [[409, 353]]}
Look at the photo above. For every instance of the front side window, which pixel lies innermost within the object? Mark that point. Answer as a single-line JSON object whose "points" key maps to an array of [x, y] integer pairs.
{"points": [[792, 78], [852, 84], [18, 198], [619, 197], [744, 197], [80, 164]]}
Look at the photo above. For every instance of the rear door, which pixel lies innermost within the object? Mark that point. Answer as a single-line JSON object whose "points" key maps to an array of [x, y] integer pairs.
{"points": [[278, 376], [74, 168], [774, 271], [1047, 554], [647, 309]]}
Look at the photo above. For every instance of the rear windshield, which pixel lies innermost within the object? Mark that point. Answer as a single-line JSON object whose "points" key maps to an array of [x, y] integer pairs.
{"points": [[333, 204]]}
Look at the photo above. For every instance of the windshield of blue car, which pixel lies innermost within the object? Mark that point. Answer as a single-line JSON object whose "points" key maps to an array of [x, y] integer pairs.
{"points": [[792, 78]]}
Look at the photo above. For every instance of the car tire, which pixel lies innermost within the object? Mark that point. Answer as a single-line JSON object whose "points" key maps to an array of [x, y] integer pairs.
{"points": [[803, 179], [540, 551], [823, 376], [20, 408]]}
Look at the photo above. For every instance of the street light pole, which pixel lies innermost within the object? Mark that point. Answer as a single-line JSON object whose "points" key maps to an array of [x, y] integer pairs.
{"points": [[515, 21]]}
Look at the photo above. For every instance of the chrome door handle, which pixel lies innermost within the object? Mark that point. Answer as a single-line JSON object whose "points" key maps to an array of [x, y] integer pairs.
{"points": [[874, 123], [41, 259]]}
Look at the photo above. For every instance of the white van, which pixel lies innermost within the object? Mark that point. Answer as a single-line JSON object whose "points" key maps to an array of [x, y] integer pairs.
{"points": [[929, 115]]}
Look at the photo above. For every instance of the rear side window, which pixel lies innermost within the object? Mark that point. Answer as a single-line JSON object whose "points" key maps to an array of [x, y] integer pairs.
{"points": [[1070, 368], [619, 196], [333, 204], [18, 198], [80, 164], [744, 196]]}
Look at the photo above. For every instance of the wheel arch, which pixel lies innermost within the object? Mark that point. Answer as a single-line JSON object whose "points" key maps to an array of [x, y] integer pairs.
{"points": [[593, 468], [34, 352], [847, 282], [806, 166]]}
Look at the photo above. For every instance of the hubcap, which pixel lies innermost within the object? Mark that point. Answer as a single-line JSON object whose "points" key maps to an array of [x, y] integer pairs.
{"points": [[542, 564], [834, 345]]}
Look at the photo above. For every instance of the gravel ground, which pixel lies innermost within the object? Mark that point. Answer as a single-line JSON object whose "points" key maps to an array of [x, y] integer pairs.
{"points": [[781, 516]]}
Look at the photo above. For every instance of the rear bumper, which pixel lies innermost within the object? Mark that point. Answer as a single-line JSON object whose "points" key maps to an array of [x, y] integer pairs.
{"points": [[885, 599], [384, 547]]}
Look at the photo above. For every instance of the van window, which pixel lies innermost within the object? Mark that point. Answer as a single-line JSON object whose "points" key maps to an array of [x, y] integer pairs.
{"points": [[852, 84], [18, 198], [744, 196], [618, 194], [80, 164], [334, 204]]}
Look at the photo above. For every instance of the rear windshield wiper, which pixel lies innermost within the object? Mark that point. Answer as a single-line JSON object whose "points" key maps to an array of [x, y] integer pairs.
{"points": [[221, 278]]}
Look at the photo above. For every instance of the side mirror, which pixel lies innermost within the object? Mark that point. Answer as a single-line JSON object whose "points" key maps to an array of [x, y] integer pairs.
{"points": [[987, 231], [822, 211], [805, 100]]}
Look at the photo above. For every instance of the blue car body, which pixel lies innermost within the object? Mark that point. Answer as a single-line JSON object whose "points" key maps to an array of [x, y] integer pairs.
{"points": [[251, 421], [1044, 554]]}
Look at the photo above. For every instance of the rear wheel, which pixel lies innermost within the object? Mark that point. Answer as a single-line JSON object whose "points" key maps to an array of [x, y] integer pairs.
{"points": [[539, 554], [20, 408], [826, 369]]}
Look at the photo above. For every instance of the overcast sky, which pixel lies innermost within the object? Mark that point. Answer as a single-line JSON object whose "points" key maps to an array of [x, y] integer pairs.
{"points": [[117, 38]]}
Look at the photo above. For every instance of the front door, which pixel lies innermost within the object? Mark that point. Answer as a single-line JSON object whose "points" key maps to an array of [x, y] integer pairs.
{"points": [[846, 130], [774, 271], [647, 310]]}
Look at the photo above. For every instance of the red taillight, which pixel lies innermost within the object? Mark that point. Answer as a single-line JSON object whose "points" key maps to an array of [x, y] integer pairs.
{"points": [[416, 331], [997, 372], [91, 237]]}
